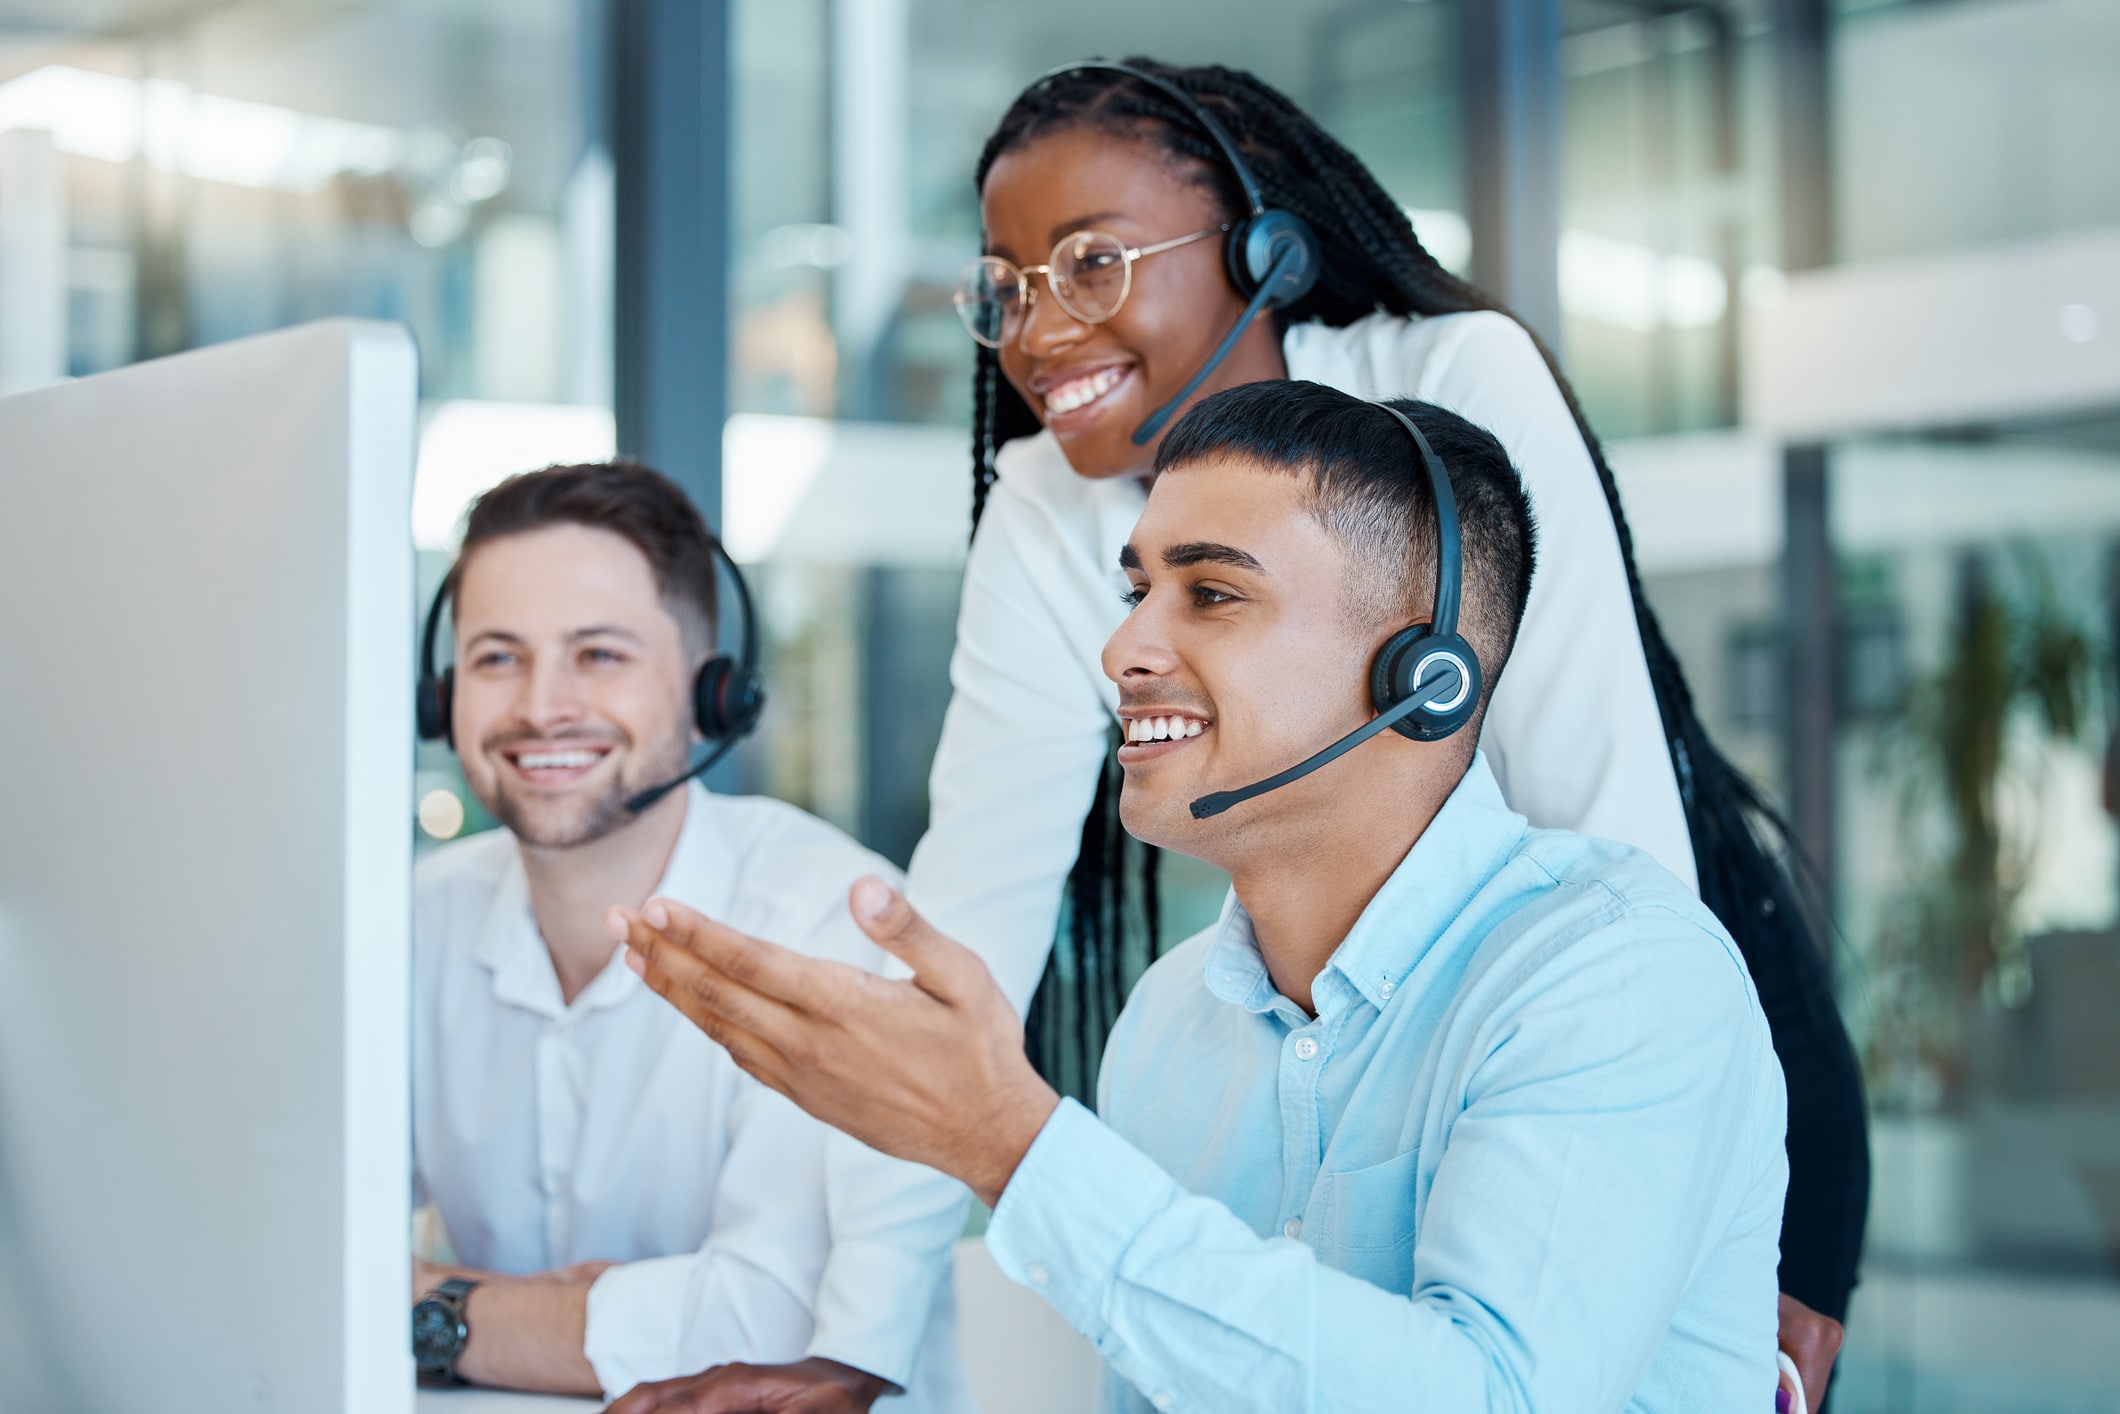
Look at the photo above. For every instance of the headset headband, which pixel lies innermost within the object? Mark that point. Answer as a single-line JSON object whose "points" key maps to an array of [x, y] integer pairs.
{"points": [[1447, 551], [1407, 698], [1184, 100]]}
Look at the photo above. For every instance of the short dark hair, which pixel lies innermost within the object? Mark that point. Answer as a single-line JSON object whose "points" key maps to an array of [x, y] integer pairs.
{"points": [[637, 503], [1369, 491]]}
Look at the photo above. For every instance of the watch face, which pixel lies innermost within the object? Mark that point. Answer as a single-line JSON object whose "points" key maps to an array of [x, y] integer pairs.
{"points": [[437, 1334]]}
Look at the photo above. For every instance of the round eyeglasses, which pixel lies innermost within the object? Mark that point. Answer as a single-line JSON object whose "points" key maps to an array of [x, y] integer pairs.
{"points": [[1090, 274]]}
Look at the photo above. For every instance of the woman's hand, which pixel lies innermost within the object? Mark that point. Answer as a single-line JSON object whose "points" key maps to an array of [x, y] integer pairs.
{"points": [[1813, 1342]]}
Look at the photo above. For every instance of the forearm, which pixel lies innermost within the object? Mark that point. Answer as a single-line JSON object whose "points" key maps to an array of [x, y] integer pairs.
{"points": [[526, 1332]]}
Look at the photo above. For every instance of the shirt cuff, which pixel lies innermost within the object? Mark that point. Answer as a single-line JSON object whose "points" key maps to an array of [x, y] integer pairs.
{"points": [[1076, 1203], [873, 1307], [630, 1336]]}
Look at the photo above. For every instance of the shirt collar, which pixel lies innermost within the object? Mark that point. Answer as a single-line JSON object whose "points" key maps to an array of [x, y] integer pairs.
{"points": [[1470, 839], [701, 873], [1235, 971]]}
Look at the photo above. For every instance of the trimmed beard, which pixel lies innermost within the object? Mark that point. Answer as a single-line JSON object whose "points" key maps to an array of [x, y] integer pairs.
{"points": [[587, 820]]}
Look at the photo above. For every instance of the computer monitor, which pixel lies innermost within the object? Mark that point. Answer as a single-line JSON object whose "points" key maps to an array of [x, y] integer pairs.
{"points": [[205, 694]]}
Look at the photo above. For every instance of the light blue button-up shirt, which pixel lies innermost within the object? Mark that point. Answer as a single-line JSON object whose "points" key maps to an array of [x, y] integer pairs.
{"points": [[1528, 1155]]}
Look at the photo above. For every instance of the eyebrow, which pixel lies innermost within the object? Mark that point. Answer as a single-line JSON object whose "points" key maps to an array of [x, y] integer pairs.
{"points": [[1194, 552], [1062, 231], [1082, 223], [1209, 552], [603, 631]]}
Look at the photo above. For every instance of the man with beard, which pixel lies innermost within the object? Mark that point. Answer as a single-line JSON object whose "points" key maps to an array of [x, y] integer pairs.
{"points": [[629, 1206]]}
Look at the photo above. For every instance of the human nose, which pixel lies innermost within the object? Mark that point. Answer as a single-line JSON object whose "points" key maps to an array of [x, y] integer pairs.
{"points": [[1140, 648], [550, 694], [1045, 327]]}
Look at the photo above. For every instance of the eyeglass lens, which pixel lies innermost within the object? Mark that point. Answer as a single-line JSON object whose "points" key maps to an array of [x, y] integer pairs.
{"points": [[1088, 275]]}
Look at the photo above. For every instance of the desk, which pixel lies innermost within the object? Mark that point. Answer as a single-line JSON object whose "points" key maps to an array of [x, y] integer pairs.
{"points": [[500, 1401]]}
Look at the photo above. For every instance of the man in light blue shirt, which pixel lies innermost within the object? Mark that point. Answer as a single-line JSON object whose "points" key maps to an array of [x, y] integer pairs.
{"points": [[1446, 1112]]}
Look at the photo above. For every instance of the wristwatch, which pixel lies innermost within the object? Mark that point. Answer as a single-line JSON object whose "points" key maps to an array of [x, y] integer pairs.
{"points": [[439, 1330]]}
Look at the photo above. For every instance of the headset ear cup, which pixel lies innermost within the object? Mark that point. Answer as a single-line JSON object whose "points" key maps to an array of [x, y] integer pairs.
{"points": [[743, 701], [1255, 243], [1392, 681], [707, 692], [432, 701], [727, 699], [1234, 261]]}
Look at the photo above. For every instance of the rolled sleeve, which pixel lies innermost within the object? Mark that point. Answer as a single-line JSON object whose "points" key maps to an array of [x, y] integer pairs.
{"points": [[670, 1316], [746, 1292], [874, 1306], [631, 1331]]}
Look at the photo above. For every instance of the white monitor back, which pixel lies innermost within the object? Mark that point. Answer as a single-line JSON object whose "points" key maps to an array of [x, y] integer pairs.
{"points": [[205, 692]]}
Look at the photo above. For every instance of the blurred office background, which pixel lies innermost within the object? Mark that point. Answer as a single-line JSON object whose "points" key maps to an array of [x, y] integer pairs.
{"points": [[1838, 279]]}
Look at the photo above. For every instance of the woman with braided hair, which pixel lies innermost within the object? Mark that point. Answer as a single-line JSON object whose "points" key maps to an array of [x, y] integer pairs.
{"points": [[1593, 729]]}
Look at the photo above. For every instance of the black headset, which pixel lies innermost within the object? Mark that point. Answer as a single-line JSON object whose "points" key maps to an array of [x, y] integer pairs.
{"points": [[728, 695], [1271, 255], [1425, 681]]}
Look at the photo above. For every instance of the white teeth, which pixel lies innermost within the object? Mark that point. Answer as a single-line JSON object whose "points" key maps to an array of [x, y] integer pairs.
{"points": [[556, 760], [1163, 728], [1080, 391]]}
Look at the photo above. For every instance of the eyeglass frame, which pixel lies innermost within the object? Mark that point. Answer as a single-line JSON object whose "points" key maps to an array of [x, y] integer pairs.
{"points": [[1028, 293]]}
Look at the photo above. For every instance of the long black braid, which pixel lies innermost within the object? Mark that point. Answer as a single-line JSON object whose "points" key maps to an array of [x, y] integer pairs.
{"points": [[1372, 260]]}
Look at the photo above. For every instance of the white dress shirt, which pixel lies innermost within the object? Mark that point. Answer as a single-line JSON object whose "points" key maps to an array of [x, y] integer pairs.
{"points": [[612, 1129], [1573, 734]]}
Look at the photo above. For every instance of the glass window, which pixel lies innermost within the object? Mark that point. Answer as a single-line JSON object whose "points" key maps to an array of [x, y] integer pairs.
{"points": [[1978, 865], [247, 166], [1668, 217]]}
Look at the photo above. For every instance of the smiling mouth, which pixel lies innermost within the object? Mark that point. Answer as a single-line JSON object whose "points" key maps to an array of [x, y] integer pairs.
{"points": [[1078, 393], [1150, 737], [555, 765], [1141, 729]]}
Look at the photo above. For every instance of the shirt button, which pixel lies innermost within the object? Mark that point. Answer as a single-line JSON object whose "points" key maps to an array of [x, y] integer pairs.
{"points": [[1294, 1227], [1038, 1274], [1388, 988], [1306, 1048], [1162, 1401]]}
